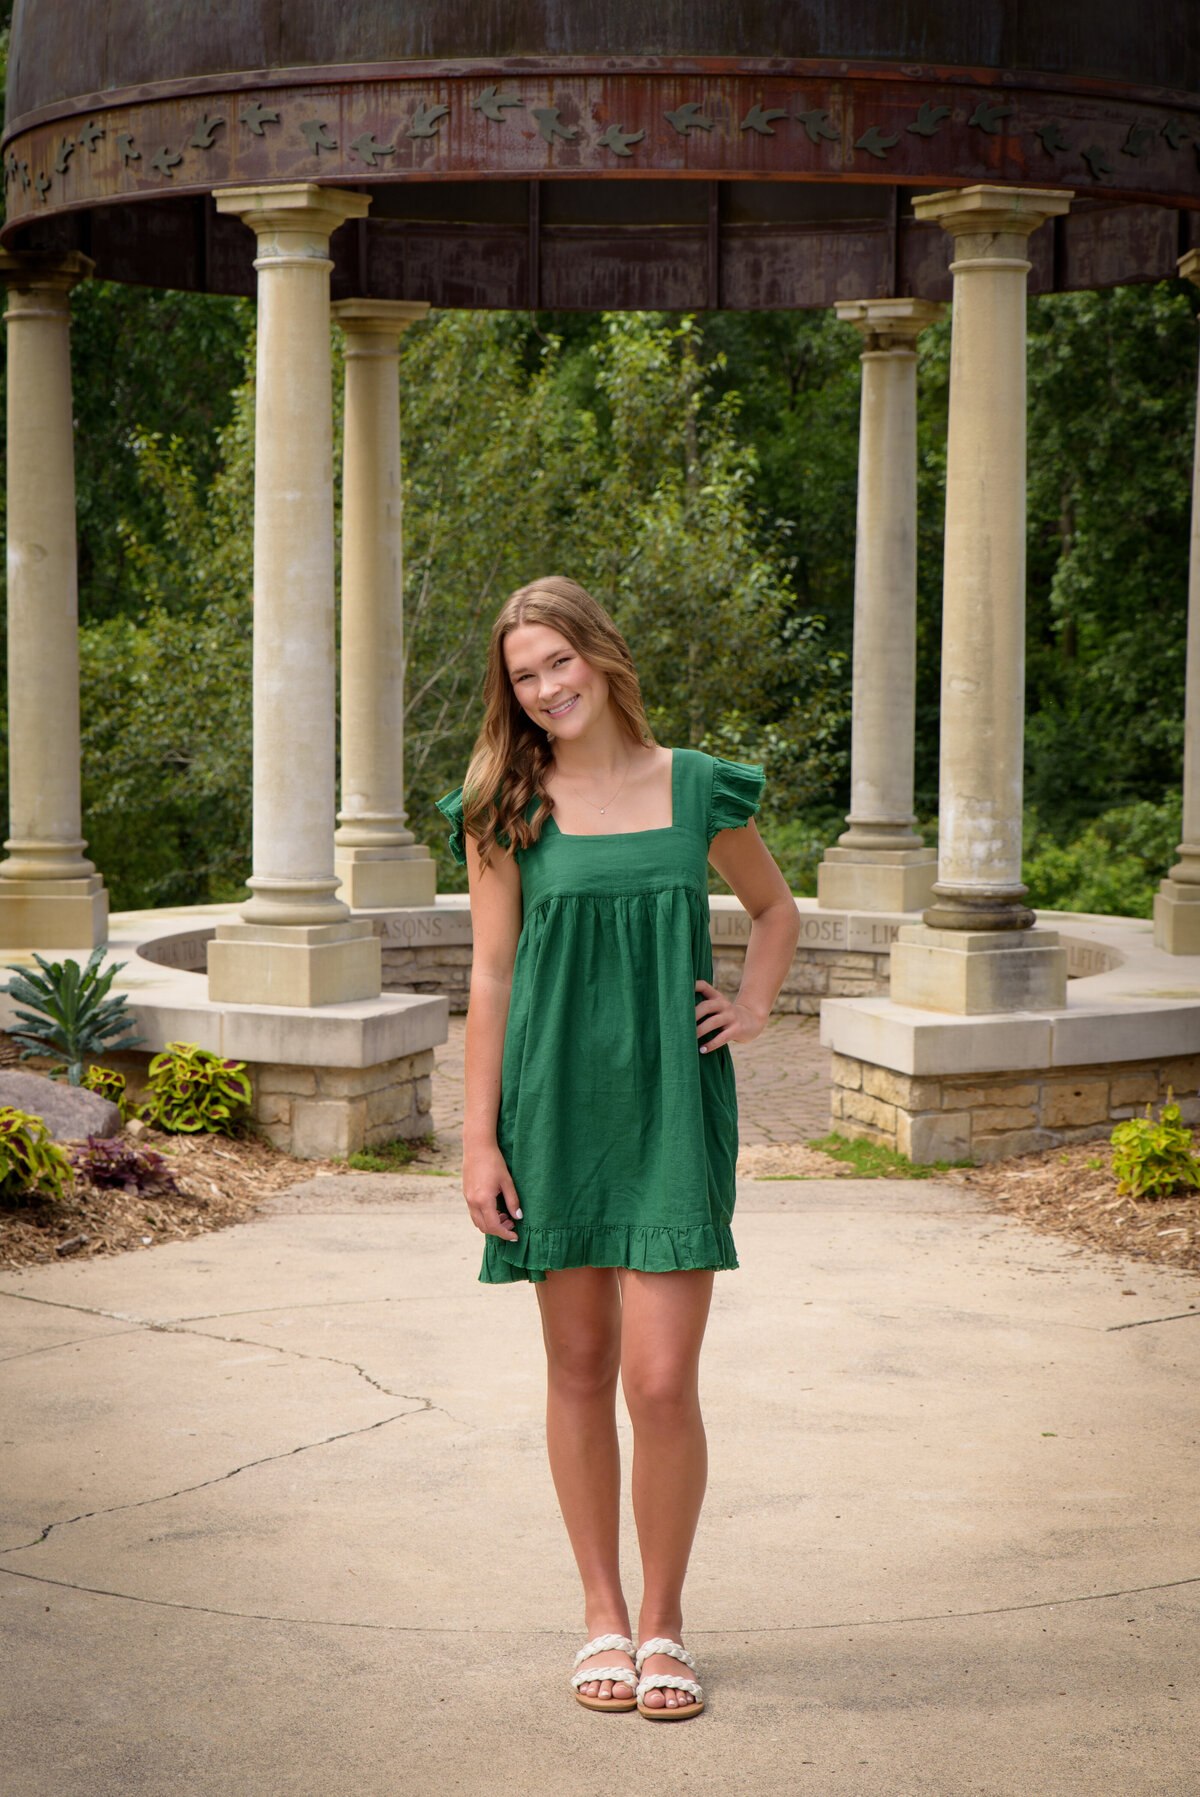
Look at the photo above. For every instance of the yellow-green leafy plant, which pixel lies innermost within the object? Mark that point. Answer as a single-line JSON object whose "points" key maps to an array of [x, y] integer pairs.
{"points": [[192, 1091], [1152, 1158], [31, 1163], [110, 1084]]}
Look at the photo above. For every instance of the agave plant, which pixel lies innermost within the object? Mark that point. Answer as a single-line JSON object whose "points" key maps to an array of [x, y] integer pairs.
{"points": [[69, 1012]]}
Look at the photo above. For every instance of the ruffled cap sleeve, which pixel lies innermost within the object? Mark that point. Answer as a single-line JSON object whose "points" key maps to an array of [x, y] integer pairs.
{"points": [[737, 791], [451, 808]]}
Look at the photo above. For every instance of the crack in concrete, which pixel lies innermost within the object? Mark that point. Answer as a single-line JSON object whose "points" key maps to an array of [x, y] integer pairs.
{"points": [[418, 1628], [164, 1497], [1178, 1316], [76, 1341]]}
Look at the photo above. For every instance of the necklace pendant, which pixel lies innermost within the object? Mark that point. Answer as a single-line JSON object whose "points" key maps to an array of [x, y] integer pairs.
{"points": [[602, 811]]}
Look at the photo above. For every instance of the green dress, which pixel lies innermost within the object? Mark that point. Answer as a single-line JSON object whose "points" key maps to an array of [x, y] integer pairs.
{"points": [[621, 1137]]}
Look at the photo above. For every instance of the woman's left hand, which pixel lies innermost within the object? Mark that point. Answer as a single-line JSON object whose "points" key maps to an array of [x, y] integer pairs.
{"points": [[732, 1022]]}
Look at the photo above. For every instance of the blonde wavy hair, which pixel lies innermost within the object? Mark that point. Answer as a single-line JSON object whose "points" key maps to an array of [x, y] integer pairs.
{"points": [[512, 754]]}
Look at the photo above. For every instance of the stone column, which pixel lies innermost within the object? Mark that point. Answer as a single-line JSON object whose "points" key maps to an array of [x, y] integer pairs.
{"points": [[1177, 902], [51, 896], [297, 944], [976, 951], [880, 863], [377, 859]]}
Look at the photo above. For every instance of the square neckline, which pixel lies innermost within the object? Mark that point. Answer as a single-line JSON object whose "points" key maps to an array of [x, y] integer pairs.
{"points": [[609, 835]]}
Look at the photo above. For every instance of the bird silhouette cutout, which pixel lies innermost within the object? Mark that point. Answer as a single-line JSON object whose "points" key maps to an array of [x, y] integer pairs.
{"points": [[987, 117], [90, 136], [66, 150], [618, 140], [25, 176], [316, 136], [426, 120], [1174, 133], [1053, 140], [125, 147], [489, 103], [818, 126], [874, 143], [685, 117], [254, 117], [202, 136], [42, 182], [1139, 140], [1097, 161], [367, 149], [549, 126], [758, 120], [928, 121], [10, 168], [165, 160]]}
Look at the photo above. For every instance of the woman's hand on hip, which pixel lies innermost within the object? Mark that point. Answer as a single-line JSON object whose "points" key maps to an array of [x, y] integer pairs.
{"points": [[490, 1193], [731, 1022]]}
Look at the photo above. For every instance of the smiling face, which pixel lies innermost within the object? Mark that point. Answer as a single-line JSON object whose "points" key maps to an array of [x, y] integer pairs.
{"points": [[553, 684]]}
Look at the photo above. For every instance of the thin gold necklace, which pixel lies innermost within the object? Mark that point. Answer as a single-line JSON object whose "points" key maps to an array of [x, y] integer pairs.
{"points": [[603, 808]]}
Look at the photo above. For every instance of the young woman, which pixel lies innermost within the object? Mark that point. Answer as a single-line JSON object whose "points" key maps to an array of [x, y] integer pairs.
{"points": [[601, 1119]]}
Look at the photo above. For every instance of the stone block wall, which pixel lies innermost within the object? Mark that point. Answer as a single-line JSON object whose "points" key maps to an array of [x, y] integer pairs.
{"points": [[987, 1116], [816, 973]]}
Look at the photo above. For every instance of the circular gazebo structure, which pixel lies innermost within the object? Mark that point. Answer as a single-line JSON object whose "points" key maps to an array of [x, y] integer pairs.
{"points": [[390, 155]]}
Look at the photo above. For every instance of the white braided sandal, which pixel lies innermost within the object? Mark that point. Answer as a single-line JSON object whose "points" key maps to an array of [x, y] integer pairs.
{"points": [[620, 1675], [667, 1681]]}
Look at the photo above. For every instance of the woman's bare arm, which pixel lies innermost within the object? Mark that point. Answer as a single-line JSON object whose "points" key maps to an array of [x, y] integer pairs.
{"points": [[742, 859], [495, 928]]}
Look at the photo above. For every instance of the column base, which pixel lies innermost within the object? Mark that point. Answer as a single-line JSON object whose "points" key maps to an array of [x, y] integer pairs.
{"points": [[1177, 918], [62, 914], [387, 878], [876, 879], [296, 964], [976, 972]]}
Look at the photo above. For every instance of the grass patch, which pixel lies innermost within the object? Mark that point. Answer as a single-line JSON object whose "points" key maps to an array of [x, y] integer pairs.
{"points": [[872, 1160], [388, 1157]]}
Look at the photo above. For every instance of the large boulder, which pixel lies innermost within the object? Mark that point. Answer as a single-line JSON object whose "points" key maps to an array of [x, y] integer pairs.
{"points": [[70, 1113]]}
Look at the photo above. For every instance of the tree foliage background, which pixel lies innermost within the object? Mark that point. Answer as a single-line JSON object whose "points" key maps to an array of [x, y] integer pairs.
{"points": [[698, 475]]}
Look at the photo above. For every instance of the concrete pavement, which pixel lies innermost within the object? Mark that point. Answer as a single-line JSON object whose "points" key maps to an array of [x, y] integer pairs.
{"points": [[276, 1518]]}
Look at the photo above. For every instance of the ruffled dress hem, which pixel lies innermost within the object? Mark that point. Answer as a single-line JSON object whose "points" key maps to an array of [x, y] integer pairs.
{"points": [[706, 1248]]}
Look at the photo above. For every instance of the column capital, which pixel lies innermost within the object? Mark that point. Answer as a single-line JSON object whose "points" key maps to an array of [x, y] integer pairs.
{"points": [[382, 316], [299, 207], [1008, 211], [889, 324], [1189, 266], [38, 271]]}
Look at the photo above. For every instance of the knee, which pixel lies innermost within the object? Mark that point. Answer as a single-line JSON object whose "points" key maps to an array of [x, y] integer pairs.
{"points": [[583, 1369], [660, 1397]]}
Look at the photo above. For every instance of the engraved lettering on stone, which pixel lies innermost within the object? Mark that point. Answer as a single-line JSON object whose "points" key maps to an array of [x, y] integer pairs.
{"points": [[987, 116], [165, 160], [618, 140], [125, 147], [90, 136], [875, 144], [254, 117], [758, 120], [316, 136], [66, 150], [202, 136], [489, 103], [426, 120], [818, 126], [687, 117], [366, 148], [1053, 140], [1097, 161], [549, 126], [928, 121], [1175, 134]]}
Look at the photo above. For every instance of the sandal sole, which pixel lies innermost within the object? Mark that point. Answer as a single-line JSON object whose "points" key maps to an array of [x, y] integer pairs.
{"points": [[679, 1713], [616, 1704]]}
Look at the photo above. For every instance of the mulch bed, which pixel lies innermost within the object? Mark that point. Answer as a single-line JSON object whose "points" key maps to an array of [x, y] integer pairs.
{"points": [[1072, 1193]]}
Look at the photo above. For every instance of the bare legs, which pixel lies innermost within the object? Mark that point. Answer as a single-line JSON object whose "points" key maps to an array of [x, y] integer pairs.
{"points": [[648, 1328]]}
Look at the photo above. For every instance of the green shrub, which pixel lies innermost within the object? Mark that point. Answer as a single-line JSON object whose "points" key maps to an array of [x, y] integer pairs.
{"points": [[193, 1091], [1151, 1159], [69, 1010], [110, 1084], [1113, 867], [30, 1162]]}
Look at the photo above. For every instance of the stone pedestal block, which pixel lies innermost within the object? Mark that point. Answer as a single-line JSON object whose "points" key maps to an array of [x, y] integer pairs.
{"points": [[293, 964], [53, 914], [876, 879], [1177, 918], [376, 879], [977, 972]]}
